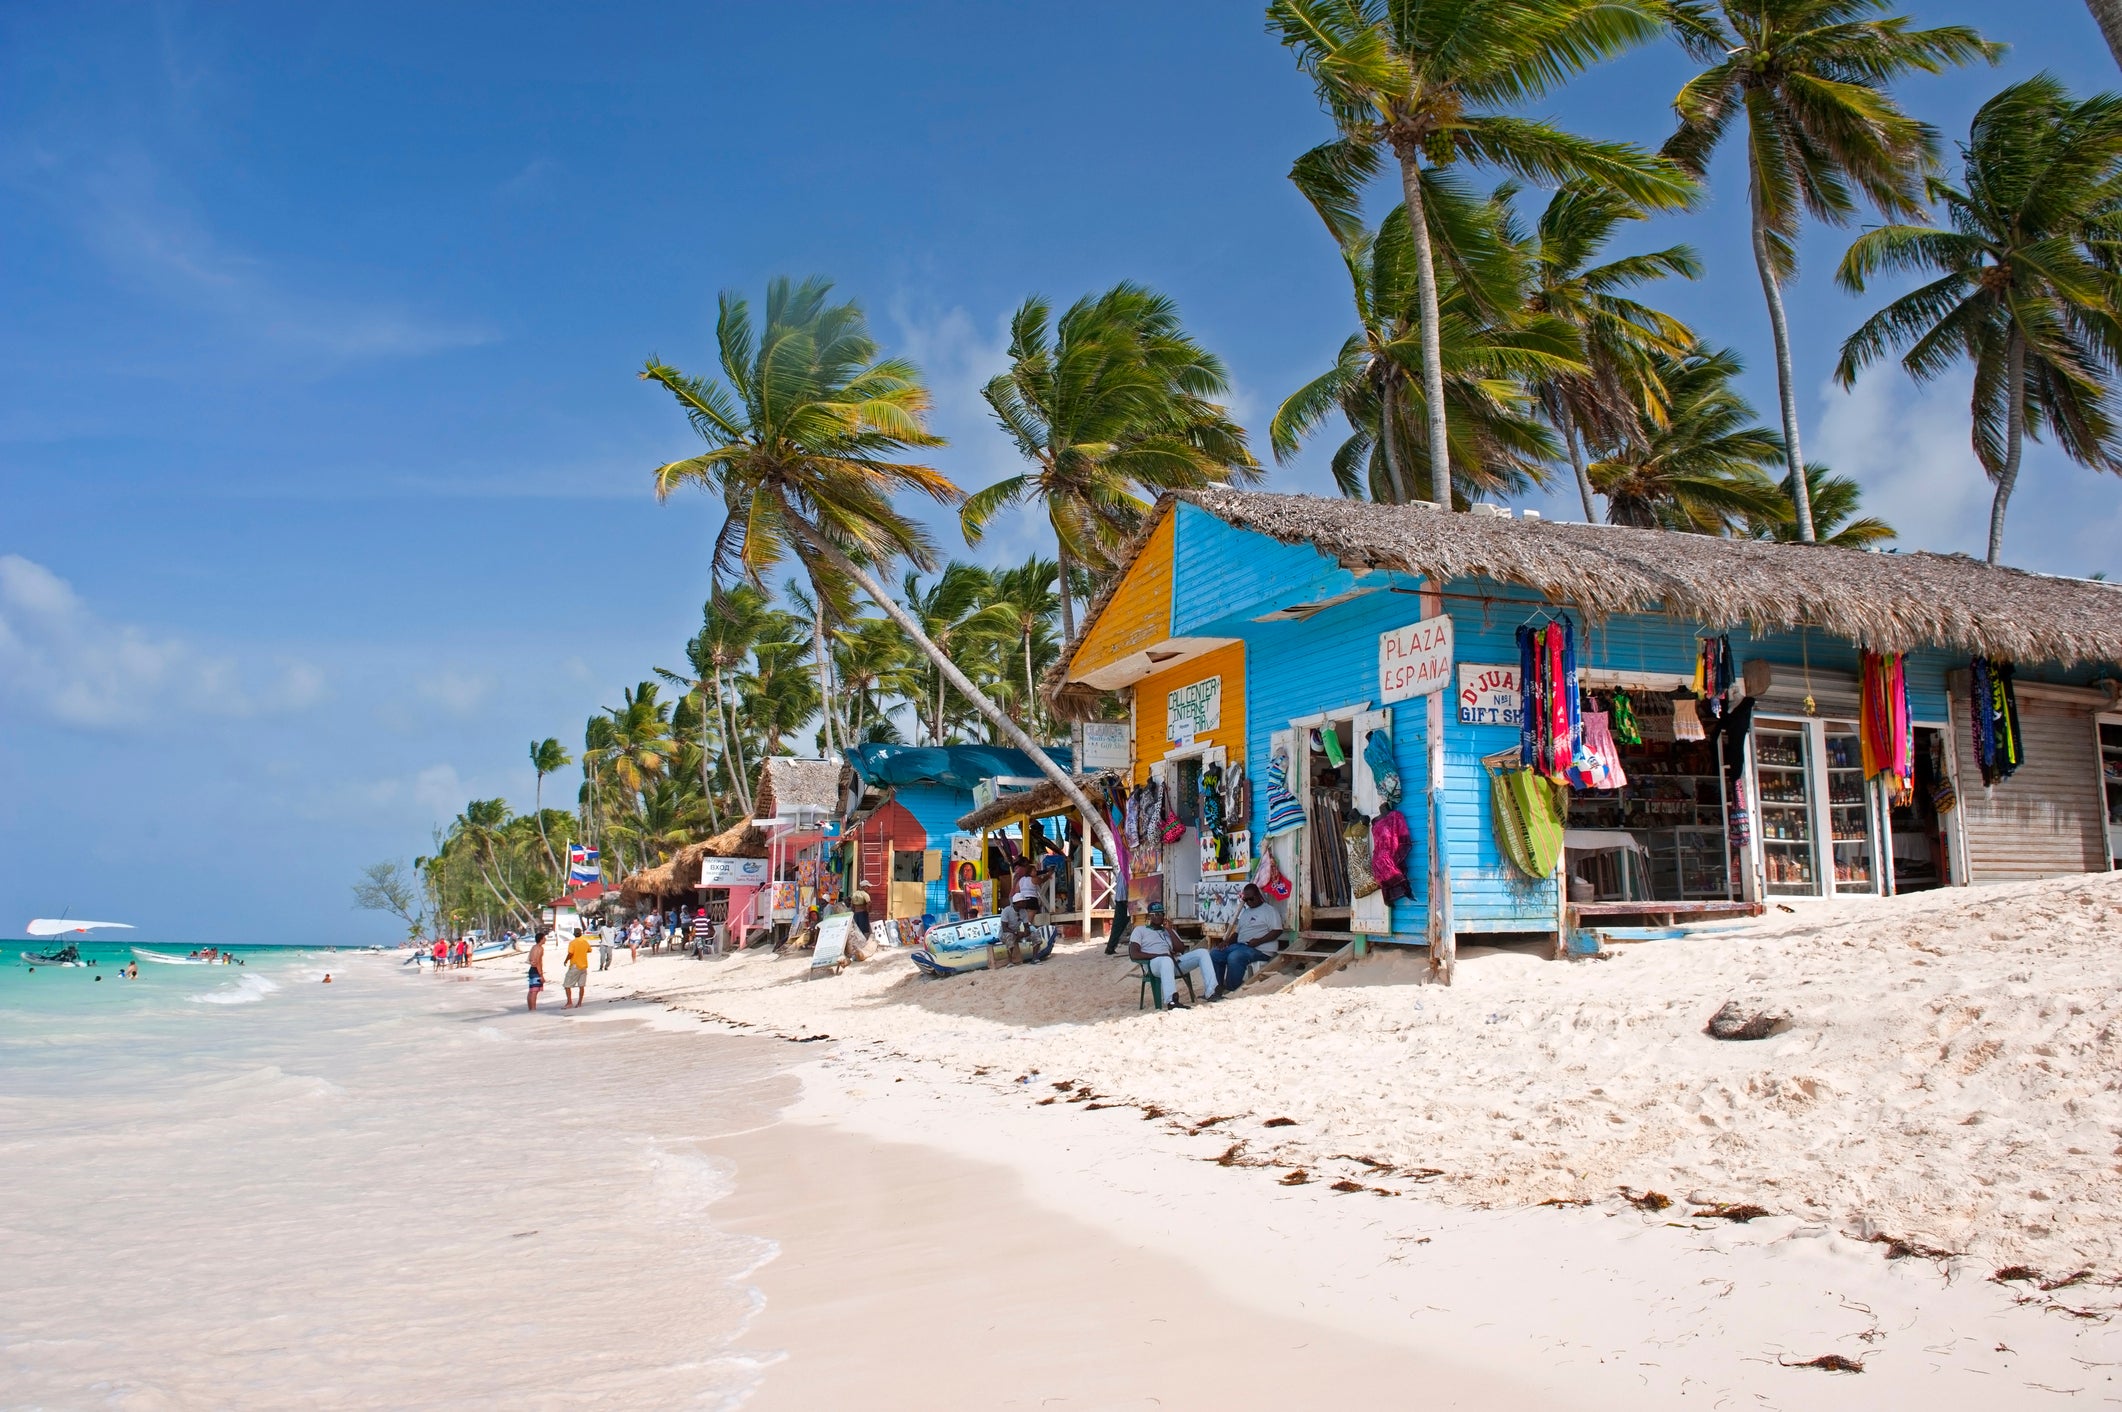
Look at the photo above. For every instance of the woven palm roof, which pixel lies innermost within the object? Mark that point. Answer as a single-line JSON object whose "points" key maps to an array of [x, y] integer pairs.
{"points": [[786, 784], [1885, 602], [677, 877]]}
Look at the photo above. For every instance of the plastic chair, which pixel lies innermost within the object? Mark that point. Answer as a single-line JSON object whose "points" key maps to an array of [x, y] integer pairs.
{"points": [[1150, 988]]}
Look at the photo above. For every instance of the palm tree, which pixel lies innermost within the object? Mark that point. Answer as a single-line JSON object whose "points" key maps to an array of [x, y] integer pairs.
{"points": [[1836, 501], [730, 623], [803, 446], [2026, 288], [874, 666], [1424, 80], [1600, 405], [779, 693], [546, 756], [1808, 79], [1487, 361], [1111, 400], [1020, 612], [945, 610], [1699, 467], [2108, 15]]}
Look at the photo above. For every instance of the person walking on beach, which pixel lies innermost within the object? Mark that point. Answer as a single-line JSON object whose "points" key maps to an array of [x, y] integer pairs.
{"points": [[604, 950], [537, 972], [633, 941], [576, 981]]}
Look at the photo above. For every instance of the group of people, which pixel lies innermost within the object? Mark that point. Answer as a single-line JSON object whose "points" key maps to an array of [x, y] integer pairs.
{"points": [[450, 955], [1220, 967]]}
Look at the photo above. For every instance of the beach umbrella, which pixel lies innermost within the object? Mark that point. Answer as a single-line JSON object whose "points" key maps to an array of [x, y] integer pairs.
{"points": [[60, 926]]}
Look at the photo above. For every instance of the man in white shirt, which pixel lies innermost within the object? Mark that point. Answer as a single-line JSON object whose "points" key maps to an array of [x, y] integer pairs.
{"points": [[1255, 935], [1152, 943]]}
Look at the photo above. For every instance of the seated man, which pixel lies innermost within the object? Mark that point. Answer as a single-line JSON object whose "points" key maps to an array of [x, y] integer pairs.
{"points": [[1018, 933], [1255, 935], [1152, 943]]}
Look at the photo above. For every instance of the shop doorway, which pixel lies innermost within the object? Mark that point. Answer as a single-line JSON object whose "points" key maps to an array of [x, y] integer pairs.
{"points": [[1921, 828]]}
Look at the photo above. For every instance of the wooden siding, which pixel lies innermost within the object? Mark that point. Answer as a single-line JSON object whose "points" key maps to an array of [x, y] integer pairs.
{"points": [[2045, 821], [1225, 662], [1139, 614]]}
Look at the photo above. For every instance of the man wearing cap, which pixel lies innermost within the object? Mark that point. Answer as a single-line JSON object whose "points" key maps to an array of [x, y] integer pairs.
{"points": [[1018, 936], [1152, 943], [1255, 935]]}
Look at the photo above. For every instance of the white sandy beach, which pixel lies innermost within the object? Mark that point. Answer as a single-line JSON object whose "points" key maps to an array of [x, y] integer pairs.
{"points": [[1948, 1085]]}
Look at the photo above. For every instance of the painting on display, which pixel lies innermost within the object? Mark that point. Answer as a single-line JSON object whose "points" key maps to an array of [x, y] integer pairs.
{"points": [[1219, 899]]}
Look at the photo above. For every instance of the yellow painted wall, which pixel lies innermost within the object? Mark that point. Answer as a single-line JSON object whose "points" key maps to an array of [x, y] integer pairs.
{"points": [[1139, 614], [1225, 662]]}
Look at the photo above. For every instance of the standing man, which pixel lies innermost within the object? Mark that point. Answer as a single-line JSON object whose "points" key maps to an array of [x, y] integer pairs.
{"points": [[704, 934], [604, 949], [1152, 943], [537, 972], [577, 977], [1255, 935]]}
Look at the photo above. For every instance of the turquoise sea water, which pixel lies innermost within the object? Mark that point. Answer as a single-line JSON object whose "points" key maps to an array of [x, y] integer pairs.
{"points": [[236, 1186]]}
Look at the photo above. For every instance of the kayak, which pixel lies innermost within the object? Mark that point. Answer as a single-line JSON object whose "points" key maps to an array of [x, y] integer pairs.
{"points": [[147, 955]]}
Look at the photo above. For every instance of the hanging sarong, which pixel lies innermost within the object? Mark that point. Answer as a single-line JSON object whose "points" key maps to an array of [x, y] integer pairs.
{"points": [[1528, 821], [1284, 814], [1884, 731]]}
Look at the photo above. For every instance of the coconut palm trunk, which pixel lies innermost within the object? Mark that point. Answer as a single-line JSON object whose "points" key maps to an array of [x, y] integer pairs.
{"points": [[2109, 15], [1064, 562], [1015, 733], [1787, 399], [1576, 463], [2014, 437], [1440, 471], [732, 746], [1389, 443], [825, 679]]}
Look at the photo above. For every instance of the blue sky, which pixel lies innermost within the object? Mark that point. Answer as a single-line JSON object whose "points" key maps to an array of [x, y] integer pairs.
{"points": [[323, 458]]}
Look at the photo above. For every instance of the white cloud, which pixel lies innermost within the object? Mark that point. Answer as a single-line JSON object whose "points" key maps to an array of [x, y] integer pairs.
{"points": [[440, 791], [1908, 447], [60, 659], [150, 231], [460, 693]]}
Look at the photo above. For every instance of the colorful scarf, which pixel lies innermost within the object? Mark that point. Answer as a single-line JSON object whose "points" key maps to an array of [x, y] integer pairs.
{"points": [[1884, 729], [2000, 749]]}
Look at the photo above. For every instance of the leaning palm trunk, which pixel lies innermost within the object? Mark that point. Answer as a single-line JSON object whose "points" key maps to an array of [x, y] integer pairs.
{"points": [[1576, 463], [1062, 563], [814, 537], [2109, 14], [1440, 470], [825, 679], [2014, 438], [1801, 493], [732, 747]]}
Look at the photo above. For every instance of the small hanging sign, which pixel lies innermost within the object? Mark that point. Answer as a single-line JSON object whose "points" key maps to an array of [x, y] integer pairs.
{"points": [[1489, 695], [1415, 660]]}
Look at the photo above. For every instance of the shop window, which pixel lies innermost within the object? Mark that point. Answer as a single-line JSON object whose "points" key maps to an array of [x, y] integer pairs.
{"points": [[906, 867]]}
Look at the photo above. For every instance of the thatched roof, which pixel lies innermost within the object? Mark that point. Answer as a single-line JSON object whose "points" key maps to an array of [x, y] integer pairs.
{"points": [[678, 877], [1882, 601], [1040, 800], [786, 784]]}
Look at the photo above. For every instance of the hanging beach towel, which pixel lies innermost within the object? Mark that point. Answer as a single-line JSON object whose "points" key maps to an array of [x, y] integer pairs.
{"points": [[1284, 814], [1527, 819]]}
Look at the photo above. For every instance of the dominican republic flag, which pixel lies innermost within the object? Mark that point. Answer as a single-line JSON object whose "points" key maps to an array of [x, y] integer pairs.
{"points": [[582, 865]]}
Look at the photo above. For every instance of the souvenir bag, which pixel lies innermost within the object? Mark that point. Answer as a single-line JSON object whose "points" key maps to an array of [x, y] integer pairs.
{"points": [[1270, 880], [1173, 829], [1355, 842]]}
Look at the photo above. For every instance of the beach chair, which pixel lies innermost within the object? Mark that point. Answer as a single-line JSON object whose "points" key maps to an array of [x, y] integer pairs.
{"points": [[1150, 988]]}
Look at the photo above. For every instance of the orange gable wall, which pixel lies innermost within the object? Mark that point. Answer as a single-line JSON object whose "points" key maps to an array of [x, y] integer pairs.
{"points": [[1139, 614], [1225, 662]]}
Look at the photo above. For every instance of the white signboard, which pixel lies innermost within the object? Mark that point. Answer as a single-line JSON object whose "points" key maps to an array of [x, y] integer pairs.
{"points": [[832, 942], [1192, 710], [1104, 746], [1415, 660], [1489, 695], [733, 872]]}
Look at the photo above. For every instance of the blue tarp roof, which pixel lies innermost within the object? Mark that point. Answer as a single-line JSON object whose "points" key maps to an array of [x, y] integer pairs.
{"points": [[953, 766]]}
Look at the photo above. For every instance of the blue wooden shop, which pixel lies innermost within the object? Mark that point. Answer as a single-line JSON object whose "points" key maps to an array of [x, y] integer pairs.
{"points": [[1257, 635]]}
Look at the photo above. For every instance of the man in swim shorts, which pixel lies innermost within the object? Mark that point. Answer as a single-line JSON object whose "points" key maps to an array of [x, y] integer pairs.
{"points": [[577, 977], [537, 971]]}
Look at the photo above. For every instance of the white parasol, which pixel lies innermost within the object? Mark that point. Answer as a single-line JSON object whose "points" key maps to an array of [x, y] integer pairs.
{"points": [[60, 926]]}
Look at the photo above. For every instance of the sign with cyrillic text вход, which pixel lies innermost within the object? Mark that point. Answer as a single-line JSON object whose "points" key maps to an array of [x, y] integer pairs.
{"points": [[1415, 660]]}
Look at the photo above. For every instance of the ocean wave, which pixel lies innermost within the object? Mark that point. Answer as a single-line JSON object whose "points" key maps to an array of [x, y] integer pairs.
{"points": [[247, 990]]}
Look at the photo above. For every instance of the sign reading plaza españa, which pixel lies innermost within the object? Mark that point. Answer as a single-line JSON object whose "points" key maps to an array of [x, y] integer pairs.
{"points": [[1194, 709], [1415, 660], [1488, 695]]}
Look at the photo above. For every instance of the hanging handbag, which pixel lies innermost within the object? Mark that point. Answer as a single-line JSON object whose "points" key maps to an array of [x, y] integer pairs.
{"points": [[1355, 842]]}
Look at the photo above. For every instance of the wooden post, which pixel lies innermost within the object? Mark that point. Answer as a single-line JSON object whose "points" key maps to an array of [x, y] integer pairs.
{"points": [[1443, 927], [1083, 875]]}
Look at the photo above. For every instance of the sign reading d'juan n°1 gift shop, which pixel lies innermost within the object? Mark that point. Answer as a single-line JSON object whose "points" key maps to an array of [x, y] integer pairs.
{"points": [[1415, 660]]}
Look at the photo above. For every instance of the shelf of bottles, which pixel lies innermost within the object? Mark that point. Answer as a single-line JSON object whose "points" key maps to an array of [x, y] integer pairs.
{"points": [[1848, 810], [2111, 783], [1782, 771]]}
